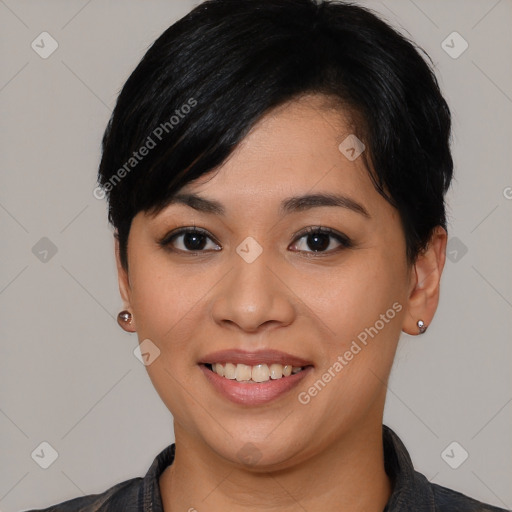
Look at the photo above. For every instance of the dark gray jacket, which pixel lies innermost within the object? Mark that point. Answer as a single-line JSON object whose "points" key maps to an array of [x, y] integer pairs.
{"points": [[412, 492]]}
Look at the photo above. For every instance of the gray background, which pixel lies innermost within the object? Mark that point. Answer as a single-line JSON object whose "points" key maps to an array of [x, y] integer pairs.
{"points": [[68, 373]]}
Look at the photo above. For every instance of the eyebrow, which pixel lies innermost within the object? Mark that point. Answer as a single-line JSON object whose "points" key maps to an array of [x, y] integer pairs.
{"points": [[288, 205]]}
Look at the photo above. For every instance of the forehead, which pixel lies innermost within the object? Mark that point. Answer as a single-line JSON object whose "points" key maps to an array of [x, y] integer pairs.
{"points": [[298, 148]]}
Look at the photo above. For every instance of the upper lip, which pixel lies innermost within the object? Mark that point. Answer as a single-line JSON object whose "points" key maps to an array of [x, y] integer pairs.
{"points": [[252, 358]]}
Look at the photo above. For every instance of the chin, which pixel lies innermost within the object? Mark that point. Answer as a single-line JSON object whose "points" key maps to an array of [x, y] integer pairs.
{"points": [[260, 453]]}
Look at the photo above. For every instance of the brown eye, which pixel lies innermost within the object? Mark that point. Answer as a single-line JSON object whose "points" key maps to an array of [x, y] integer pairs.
{"points": [[319, 240], [189, 240]]}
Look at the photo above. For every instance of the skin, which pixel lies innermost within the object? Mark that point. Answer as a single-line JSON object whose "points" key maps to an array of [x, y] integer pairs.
{"points": [[320, 455]]}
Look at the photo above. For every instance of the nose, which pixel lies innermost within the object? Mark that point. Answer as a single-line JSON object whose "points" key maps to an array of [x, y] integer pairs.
{"points": [[253, 296]]}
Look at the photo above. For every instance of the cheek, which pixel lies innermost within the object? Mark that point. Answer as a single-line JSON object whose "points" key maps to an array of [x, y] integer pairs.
{"points": [[163, 298], [165, 304], [363, 306], [355, 296]]}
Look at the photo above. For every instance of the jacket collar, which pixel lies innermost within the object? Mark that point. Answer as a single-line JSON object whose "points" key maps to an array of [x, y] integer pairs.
{"points": [[411, 490]]}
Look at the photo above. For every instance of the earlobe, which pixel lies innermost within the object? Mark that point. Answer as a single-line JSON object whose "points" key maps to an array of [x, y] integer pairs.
{"points": [[425, 284], [125, 318]]}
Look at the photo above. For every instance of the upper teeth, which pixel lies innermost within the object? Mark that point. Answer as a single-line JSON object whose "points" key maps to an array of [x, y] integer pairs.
{"points": [[257, 373]]}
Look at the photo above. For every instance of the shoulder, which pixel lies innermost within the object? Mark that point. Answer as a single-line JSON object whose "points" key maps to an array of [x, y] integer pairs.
{"points": [[118, 497], [413, 491], [448, 500]]}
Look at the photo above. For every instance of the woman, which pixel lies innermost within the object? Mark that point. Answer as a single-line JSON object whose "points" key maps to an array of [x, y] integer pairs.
{"points": [[276, 172]]}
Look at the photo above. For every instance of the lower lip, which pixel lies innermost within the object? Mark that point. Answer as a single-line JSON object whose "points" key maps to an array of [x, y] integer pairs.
{"points": [[247, 393]]}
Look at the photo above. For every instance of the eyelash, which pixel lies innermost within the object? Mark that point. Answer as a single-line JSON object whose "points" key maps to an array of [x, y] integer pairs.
{"points": [[343, 240]]}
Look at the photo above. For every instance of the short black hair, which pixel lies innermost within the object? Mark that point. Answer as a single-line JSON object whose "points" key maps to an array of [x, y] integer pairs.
{"points": [[213, 74]]}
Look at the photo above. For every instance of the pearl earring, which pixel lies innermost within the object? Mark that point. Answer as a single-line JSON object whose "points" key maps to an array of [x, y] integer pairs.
{"points": [[124, 318], [421, 326]]}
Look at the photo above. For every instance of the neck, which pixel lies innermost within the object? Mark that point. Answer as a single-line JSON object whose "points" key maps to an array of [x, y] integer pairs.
{"points": [[348, 475]]}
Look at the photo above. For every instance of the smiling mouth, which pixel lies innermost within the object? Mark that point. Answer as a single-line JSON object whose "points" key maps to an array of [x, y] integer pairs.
{"points": [[253, 373]]}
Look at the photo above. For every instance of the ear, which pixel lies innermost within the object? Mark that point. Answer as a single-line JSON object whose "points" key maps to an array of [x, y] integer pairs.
{"points": [[425, 283], [124, 287]]}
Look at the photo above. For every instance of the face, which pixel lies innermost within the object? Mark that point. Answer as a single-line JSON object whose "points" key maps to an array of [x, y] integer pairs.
{"points": [[250, 283]]}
